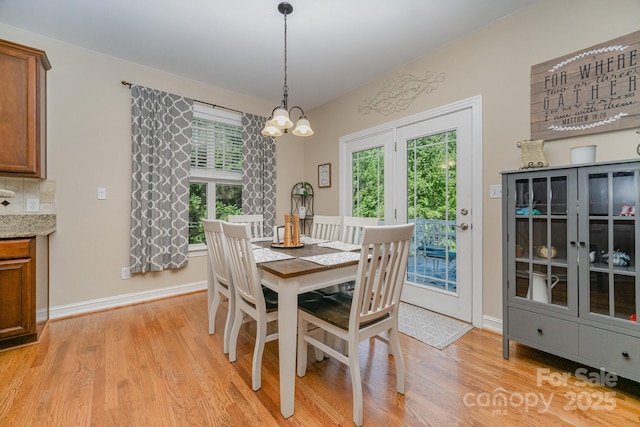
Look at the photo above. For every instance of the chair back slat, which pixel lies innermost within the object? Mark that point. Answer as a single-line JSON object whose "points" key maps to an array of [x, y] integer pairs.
{"points": [[217, 250], [381, 272], [256, 223], [352, 228], [244, 271], [325, 227]]}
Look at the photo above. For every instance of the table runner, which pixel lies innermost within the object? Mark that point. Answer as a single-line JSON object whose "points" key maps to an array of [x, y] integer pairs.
{"points": [[341, 246], [333, 259], [262, 239], [311, 241], [266, 255]]}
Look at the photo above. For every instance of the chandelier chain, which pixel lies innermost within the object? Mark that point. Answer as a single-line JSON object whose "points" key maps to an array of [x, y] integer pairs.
{"points": [[285, 88], [280, 120]]}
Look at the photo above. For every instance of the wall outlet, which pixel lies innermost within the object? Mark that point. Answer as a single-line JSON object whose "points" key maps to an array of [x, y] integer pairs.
{"points": [[33, 205], [126, 273]]}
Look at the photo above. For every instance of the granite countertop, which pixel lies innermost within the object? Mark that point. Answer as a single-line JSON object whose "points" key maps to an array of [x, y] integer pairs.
{"points": [[27, 225]]}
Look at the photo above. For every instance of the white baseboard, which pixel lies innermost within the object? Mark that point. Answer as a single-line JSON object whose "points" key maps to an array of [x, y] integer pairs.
{"points": [[492, 324], [123, 300]]}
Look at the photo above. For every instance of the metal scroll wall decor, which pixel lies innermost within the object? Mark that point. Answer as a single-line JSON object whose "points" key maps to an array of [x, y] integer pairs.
{"points": [[397, 95]]}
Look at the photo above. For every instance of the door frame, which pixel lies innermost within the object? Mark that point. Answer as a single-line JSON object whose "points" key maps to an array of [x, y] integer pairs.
{"points": [[475, 105]]}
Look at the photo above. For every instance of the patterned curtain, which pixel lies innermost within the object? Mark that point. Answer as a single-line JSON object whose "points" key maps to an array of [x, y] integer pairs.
{"points": [[258, 171], [161, 154]]}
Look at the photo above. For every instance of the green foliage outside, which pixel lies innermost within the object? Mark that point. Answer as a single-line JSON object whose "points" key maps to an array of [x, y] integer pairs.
{"points": [[431, 187], [228, 202], [368, 183], [197, 211]]}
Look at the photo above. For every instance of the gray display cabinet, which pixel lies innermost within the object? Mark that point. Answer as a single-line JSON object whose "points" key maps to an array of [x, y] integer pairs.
{"points": [[571, 247]]}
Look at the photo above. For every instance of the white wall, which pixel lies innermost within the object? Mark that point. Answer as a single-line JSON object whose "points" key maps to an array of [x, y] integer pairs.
{"points": [[89, 146], [495, 62]]}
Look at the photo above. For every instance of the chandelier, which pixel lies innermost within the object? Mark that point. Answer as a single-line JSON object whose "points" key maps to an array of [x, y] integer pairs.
{"points": [[280, 120]]}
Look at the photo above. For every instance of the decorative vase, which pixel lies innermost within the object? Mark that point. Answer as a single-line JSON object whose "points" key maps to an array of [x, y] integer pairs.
{"points": [[584, 154], [545, 252]]}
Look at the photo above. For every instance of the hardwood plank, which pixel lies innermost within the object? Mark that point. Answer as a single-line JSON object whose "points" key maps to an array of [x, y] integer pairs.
{"points": [[155, 364]]}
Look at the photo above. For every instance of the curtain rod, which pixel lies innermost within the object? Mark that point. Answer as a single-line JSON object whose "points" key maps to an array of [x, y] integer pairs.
{"points": [[126, 83]]}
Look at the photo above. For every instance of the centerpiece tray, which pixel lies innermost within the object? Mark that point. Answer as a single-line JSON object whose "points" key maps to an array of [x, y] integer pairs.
{"points": [[282, 246]]}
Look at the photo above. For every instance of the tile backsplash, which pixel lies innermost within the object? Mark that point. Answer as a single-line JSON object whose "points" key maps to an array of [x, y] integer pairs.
{"points": [[27, 188]]}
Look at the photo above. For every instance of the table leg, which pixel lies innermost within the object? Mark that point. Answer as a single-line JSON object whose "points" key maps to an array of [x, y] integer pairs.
{"points": [[287, 335]]}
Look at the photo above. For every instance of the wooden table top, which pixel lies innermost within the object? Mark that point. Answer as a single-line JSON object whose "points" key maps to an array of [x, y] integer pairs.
{"points": [[294, 267]]}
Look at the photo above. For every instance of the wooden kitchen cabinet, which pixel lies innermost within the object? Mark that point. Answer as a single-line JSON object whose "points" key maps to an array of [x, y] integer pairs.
{"points": [[24, 290], [23, 105]]}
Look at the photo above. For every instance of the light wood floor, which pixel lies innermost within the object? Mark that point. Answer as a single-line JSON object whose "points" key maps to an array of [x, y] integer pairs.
{"points": [[154, 364]]}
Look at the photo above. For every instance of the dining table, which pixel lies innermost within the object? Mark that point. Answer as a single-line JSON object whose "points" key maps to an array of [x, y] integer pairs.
{"points": [[293, 271]]}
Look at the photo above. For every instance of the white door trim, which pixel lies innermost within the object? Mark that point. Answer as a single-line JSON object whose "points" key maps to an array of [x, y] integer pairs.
{"points": [[475, 104]]}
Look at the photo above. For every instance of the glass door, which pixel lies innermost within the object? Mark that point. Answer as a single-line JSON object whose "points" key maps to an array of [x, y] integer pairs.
{"points": [[544, 240], [431, 205], [434, 186], [422, 169], [611, 288]]}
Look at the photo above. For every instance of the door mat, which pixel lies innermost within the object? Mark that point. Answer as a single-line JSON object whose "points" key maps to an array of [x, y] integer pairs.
{"points": [[431, 328]]}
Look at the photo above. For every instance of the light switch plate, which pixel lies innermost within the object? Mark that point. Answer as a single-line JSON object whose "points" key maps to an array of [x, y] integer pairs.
{"points": [[102, 193], [495, 191]]}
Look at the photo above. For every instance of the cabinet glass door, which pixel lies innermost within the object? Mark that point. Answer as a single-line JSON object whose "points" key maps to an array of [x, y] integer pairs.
{"points": [[609, 286], [543, 257]]}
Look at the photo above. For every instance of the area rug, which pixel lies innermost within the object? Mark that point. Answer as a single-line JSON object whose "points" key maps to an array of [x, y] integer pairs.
{"points": [[431, 328]]}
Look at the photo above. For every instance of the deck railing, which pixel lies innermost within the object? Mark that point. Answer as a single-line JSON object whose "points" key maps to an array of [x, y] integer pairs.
{"points": [[435, 238]]}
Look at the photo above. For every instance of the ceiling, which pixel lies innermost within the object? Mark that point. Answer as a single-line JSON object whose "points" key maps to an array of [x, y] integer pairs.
{"points": [[334, 46]]}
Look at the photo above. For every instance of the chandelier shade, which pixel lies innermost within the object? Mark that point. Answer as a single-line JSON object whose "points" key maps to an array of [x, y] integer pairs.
{"points": [[280, 120], [270, 129], [303, 128]]}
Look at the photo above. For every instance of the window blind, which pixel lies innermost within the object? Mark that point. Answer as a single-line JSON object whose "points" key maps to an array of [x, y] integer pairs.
{"points": [[216, 146]]}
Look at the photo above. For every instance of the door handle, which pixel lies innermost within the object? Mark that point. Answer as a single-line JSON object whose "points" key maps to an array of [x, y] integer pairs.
{"points": [[463, 226]]}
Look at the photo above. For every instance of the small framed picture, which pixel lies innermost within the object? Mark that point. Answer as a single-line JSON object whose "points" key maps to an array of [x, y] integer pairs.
{"points": [[324, 175]]}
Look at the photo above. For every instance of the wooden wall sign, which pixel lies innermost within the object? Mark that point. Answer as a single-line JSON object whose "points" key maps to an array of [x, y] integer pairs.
{"points": [[593, 90]]}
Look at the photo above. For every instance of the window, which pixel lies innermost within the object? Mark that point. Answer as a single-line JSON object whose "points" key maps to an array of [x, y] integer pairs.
{"points": [[216, 169]]}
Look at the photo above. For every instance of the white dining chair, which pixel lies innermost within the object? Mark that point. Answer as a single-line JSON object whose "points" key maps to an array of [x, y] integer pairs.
{"points": [[250, 296], [252, 299], [351, 231], [220, 284], [256, 223], [325, 227], [371, 309]]}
